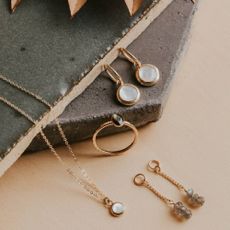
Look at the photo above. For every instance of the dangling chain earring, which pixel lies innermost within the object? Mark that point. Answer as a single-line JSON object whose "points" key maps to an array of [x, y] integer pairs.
{"points": [[115, 208], [178, 208], [193, 199]]}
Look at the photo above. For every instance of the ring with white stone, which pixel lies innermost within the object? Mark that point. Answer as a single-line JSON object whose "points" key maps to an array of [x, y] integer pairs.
{"points": [[127, 94], [116, 121], [146, 74]]}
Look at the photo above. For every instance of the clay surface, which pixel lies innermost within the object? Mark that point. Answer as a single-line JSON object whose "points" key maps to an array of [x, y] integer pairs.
{"points": [[44, 50], [161, 44]]}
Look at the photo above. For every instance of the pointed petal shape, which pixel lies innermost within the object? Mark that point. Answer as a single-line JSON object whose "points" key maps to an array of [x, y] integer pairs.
{"points": [[75, 6], [14, 4], [133, 5]]}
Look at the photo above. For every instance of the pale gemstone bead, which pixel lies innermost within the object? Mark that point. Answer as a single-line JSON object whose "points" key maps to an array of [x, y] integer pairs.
{"points": [[128, 93], [117, 208], [149, 74]]}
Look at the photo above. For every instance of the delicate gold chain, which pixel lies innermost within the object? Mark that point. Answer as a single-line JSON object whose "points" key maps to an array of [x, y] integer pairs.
{"points": [[158, 194], [86, 185], [171, 180], [154, 166], [39, 98]]}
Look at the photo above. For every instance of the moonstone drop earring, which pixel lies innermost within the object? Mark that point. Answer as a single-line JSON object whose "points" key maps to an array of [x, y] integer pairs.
{"points": [[127, 94], [193, 199], [146, 74]]}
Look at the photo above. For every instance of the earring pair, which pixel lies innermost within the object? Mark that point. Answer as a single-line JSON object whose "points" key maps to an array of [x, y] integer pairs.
{"points": [[178, 208], [146, 75]]}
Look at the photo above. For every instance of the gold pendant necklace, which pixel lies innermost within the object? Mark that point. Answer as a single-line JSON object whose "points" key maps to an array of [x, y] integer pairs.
{"points": [[115, 208]]}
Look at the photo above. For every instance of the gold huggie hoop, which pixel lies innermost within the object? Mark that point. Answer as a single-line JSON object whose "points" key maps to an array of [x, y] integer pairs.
{"points": [[127, 94], [114, 75], [178, 208], [116, 121], [130, 57], [193, 199], [146, 74]]}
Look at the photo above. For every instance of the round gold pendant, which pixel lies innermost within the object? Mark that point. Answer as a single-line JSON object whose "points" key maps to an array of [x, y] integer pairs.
{"points": [[128, 94], [117, 209], [147, 75]]}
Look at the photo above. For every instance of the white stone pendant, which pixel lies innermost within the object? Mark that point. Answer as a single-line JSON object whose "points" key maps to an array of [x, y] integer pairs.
{"points": [[128, 94], [117, 209], [147, 75]]}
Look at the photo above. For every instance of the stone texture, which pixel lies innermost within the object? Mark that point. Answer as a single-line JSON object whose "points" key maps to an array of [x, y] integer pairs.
{"points": [[161, 44], [44, 50], [148, 75]]}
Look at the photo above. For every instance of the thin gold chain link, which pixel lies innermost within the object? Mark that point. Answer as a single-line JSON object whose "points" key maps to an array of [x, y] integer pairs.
{"points": [[42, 100], [158, 194], [87, 186], [171, 180]]}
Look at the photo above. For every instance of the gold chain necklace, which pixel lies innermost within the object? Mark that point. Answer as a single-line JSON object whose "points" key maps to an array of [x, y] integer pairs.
{"points": [[115, 208]]}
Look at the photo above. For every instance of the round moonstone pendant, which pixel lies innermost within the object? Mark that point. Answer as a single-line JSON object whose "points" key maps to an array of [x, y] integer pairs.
{"points": [[147, 75], [128, 94], [117, 209]]}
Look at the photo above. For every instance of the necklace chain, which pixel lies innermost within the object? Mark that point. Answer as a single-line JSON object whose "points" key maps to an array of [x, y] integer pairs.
{"points": [[86, 183]]}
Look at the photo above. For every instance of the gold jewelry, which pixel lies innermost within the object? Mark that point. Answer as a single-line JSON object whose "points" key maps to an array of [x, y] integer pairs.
{"points": [[193, 199], [115, 208], [146, 74], [127, 94], [116, 121], [178, 208]]}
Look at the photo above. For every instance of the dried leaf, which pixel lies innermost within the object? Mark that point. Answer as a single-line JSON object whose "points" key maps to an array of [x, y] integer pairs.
{"points": [[14, 4], [75, 6], [133, 5]]}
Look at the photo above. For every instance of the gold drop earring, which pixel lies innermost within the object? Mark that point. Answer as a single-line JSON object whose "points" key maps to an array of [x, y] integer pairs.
{"points": [[178, 209], [127, 94], [146, 74], [193, 199]]}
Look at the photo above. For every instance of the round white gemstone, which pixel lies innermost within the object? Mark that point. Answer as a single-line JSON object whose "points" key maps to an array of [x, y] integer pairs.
{"points": [[148, 74], [129, 93], [117, 208]]}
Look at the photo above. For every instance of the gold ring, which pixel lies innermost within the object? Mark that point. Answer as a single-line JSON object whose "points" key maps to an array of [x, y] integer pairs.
{"points": [[116, 121]]}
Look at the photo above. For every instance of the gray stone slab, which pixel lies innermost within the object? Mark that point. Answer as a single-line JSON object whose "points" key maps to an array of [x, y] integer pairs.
{"points": [[161, 44], [42, 49]]}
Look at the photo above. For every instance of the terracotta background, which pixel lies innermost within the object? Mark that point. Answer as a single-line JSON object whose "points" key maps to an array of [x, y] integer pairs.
{"points": [[191, 140]]}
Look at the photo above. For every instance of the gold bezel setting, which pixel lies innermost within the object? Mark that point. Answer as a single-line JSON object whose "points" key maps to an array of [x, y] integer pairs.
{"points": [[148, 83], [122, 100], [118, 212]]}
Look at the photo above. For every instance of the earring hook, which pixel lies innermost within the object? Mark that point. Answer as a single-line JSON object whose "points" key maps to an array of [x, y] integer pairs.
{"points": [[130, 57], [154, 166], [113, 74]]}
